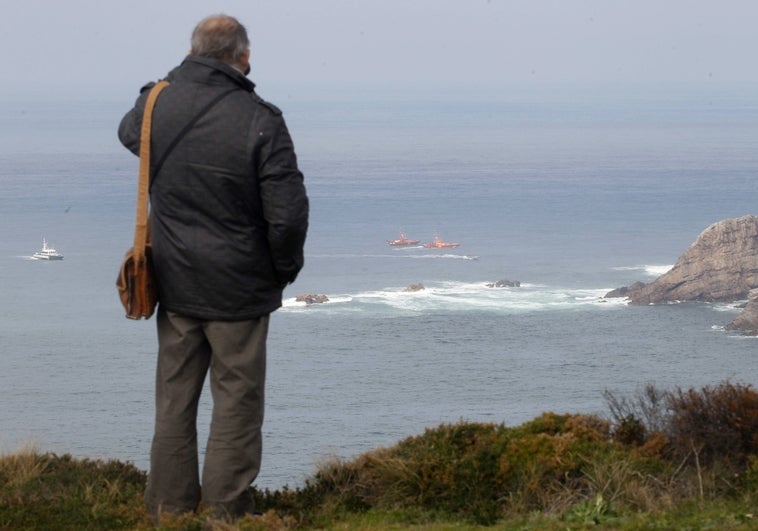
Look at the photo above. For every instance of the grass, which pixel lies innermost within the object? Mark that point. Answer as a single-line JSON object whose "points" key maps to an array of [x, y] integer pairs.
{"points": [[45, 491], [681, 459]]}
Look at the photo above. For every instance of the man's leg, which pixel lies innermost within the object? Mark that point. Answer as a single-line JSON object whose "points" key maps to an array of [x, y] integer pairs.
{"points": [[238, 374], [183, 358]]}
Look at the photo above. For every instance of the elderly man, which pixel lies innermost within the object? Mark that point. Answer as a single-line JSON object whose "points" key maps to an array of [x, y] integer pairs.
{"points": [[229, 215]]}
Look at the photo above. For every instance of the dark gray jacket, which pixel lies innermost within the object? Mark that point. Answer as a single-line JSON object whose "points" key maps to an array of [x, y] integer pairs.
{"points": [[229, 211]]}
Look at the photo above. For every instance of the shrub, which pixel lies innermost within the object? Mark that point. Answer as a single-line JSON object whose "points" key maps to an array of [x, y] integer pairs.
{"points": [[472, 470], [709, 436], [715, 423], [643, 414], [630, 431], [452, 468]]}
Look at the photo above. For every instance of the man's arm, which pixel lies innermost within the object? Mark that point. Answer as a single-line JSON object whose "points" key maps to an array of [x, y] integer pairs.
{"points": [[285, 203], [131, 124]]}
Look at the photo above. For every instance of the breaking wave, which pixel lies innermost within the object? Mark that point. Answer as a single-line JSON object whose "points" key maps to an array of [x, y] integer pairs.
{"points": [[402, 253], [650, 270], [461, 297]]}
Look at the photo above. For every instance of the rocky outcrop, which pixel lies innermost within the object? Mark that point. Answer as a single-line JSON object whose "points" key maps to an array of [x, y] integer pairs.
{"points": [[309, 298], [504, 283], [414, 287], [747, 320], [721, 266], [624, 291]]}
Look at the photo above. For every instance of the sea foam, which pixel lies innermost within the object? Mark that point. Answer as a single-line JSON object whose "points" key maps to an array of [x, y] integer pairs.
{"points": [[651, 270], [452, 296]]}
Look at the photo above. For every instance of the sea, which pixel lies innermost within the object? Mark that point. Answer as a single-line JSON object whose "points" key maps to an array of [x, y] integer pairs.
{"points": [[569, 192]]}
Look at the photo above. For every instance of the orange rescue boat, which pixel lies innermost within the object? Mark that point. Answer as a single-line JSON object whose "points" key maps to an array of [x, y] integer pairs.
{"points": [[437, 243], [402, 241]]}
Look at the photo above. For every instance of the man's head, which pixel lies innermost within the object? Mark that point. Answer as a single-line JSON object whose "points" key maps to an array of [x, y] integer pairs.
{"points": [[224, 38]]}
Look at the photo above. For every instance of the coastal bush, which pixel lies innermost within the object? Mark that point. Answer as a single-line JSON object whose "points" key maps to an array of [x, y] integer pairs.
{"points": [[707, 426], [715, 423], [475, 471], [665, 459], [453, 468], [543, 460], [450, 469], [652, 453], [638, 416]]}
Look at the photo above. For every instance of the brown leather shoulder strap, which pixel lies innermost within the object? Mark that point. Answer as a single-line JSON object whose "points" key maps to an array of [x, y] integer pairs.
{"points": [[141, 230]]}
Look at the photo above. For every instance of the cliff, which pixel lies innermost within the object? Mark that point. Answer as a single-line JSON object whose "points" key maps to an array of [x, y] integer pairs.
{"points": [[721, 266]]}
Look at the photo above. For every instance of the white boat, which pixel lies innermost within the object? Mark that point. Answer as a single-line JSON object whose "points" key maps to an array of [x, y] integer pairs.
{"points": [[47, 253]]}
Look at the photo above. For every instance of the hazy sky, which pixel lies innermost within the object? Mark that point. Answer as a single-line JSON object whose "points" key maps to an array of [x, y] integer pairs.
{"points": [[111, 47]]}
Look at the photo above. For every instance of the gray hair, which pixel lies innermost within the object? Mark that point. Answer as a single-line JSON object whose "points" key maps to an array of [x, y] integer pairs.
{"points": [[220, 37]]}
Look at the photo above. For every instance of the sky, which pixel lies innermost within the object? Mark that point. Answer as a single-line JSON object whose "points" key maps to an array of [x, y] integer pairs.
{"points": [[84, 47]]}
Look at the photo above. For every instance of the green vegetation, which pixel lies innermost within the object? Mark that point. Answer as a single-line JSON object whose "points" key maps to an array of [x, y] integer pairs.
{"points": [[681, 459]]}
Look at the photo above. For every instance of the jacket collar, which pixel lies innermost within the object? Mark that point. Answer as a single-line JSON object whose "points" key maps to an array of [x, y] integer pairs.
{"points": [[237, 76]]}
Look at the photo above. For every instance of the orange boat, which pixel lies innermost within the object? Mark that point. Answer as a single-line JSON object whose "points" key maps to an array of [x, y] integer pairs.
{"points": [[402, 241], [439, 244]]}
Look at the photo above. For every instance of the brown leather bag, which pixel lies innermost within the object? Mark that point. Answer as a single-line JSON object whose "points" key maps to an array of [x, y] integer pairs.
{"points": [[136, 282]]}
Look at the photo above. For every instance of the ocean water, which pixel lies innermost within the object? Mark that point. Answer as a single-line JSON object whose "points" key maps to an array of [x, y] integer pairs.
{"points": [[572, 193]]}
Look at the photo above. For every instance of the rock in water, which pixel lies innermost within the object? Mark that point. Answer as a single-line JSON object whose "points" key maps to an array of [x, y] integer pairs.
{"points": [[747, 320], [722, 265], [625, 291], [504, 283], [309, 298]]}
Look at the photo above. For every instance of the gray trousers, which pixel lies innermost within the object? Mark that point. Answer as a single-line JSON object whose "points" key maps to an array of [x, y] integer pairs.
{"points": [[235, 353]]}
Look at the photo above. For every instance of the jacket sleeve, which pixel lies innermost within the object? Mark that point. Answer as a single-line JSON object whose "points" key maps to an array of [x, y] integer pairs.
{"points": [[131, 124], [284, 200]]}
